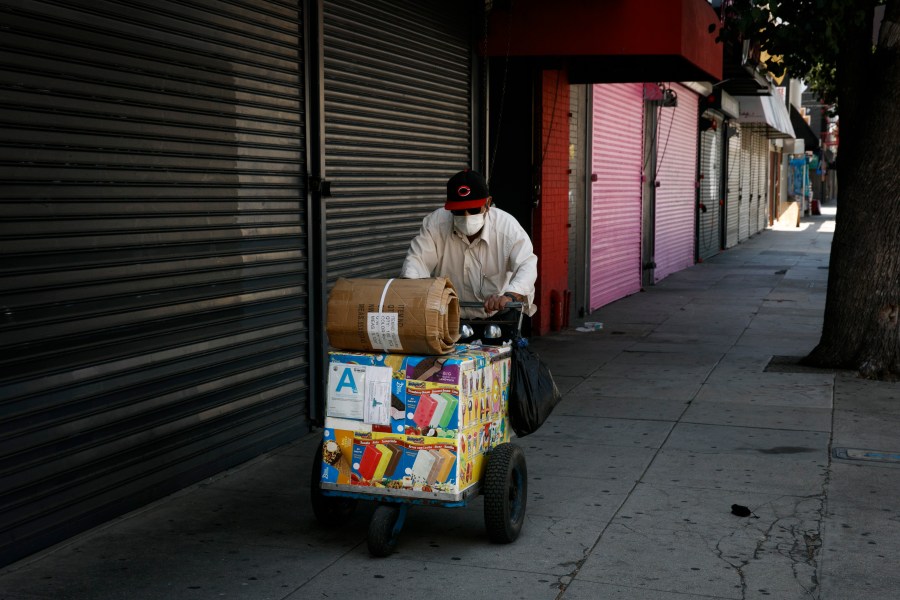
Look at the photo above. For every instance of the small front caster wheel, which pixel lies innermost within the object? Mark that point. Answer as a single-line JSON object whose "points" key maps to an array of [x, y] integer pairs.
{"points": [[384, 529]]}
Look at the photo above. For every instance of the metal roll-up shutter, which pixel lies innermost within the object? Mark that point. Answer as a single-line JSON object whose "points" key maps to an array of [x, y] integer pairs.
{"points": [[153, 282], [762, 180], [708, 240], [750, 192], [397, 125], [616, 163], [753, 216], [754, 181], [747, 205], [677, 177], [733, 192]]}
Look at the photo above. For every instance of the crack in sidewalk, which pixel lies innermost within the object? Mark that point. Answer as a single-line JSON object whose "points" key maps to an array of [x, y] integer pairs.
{"points": [[789, 535]]}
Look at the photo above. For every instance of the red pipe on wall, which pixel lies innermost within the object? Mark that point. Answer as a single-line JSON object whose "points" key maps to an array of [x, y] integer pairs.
{"points": [[555, 310]]}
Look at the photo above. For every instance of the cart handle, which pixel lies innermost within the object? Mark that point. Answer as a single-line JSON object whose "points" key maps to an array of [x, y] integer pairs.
{"points": [[513, 305], [509, 305]]}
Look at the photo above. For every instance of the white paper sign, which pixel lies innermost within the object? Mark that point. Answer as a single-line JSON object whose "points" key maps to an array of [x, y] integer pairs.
{"points": [[378, 396], [383, 328], [346, 391]]}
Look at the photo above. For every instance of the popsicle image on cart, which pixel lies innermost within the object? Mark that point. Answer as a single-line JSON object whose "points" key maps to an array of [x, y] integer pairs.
{"points": [[422, 465], [369, 462], [450, 410], [438, 410], [424, 411], [446, 466], [383, 462], [439, 460], [396, 454]]}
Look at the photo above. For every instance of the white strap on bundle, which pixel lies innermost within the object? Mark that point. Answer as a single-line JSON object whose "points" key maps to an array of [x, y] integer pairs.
{"points": [[384, 335], [384, 294]]}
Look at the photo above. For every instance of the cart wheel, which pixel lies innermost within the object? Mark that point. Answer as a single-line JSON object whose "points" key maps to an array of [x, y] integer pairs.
{"points": [[384, 528], [505, 488], [329, 510]]}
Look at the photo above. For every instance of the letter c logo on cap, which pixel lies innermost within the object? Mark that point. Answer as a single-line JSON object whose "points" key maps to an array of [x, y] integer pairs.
{"points": [[464, 191]]}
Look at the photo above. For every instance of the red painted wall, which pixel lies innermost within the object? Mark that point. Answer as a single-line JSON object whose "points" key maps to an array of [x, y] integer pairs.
{"points": [[551, 237]]}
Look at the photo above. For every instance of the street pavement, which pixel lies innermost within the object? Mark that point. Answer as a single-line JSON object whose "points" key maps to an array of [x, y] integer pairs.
{"points": [[688, 401]]}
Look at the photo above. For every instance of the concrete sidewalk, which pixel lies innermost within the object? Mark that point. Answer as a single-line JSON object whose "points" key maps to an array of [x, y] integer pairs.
{"points": [[672, 413]]}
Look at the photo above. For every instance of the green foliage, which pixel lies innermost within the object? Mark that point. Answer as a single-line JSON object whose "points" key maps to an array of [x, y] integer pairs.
{"points": [[805, 35], [821, 78]]}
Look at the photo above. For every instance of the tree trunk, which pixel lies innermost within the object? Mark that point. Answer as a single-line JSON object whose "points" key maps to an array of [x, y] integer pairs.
{"points": [[862, 311]]}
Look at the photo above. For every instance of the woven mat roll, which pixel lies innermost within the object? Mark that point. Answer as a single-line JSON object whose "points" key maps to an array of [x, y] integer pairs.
{"points": [[408, 316]]}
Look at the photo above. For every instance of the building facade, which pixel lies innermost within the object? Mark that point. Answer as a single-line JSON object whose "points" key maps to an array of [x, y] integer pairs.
{"points": [[184, 182]]}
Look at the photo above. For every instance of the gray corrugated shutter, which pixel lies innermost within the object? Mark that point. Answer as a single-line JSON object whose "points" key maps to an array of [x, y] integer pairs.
{"points": [[756, 167], [708, 242], [153, 303], [397, 125], [753, 180], [733, 193], [762, 179], [748, 207]]}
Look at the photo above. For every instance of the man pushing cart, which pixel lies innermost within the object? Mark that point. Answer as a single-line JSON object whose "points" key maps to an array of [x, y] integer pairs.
{"points": [[412, 424]]}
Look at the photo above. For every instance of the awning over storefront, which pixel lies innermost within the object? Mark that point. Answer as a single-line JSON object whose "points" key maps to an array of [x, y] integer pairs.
{"points": [[769, 111], [612, 40], [803, 130]]}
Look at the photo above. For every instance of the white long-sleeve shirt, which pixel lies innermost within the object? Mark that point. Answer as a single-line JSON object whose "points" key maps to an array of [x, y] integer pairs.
{"points": [[501, 259]]}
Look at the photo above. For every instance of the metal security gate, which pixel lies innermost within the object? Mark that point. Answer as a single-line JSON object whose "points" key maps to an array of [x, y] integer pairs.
{"points": [[153, 282], [733, 193], [709, 230], [616, 157], [757, 179], [397, 125], [762, 179], [677, 176], [747, 207], [754, 167]]}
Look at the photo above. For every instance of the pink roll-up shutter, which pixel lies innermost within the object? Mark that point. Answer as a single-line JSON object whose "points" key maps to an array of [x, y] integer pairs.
{"points": [[616, 155], [676, 165]]}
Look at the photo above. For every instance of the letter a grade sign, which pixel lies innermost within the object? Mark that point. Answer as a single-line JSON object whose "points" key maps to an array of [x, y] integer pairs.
{"points": [[346, 391]]}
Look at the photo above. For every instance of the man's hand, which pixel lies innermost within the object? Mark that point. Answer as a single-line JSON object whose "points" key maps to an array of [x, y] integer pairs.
{"points": [[495, 303]]}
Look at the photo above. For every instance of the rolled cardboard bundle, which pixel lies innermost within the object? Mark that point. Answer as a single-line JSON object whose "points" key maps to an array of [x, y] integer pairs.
{"points": [[407, 316]]}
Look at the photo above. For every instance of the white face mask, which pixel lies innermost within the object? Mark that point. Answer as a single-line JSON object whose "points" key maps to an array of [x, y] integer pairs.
{"points": [[468, 224]]}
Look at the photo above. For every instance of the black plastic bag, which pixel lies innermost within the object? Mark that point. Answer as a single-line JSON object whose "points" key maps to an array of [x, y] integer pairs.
{"points": [[532, 391]]}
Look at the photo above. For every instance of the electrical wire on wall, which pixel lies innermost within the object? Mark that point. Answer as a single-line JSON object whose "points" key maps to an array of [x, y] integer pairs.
{"points": [[499, 122], [655, 151], [659, 162]]}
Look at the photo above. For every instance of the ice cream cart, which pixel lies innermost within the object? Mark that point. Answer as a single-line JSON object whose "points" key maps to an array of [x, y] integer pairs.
{"points": [[402, 430]]}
